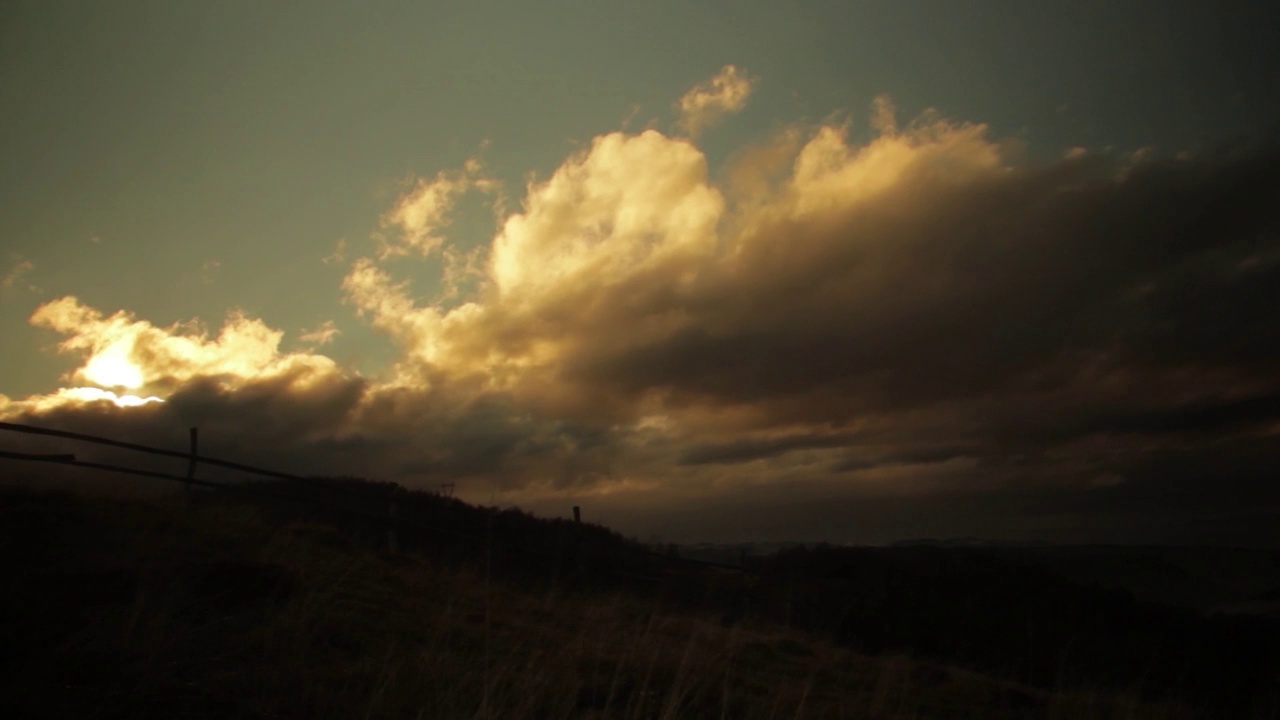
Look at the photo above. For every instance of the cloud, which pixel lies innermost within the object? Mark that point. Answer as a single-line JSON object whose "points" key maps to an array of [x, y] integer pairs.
{"points": [[339, 254], [297, 411], [709, 102], [322, 334], [420, 214], [208, 270], [462, 270], [748, 449], [628, 252], [925, 288], [884, 115], [140, 381], [16, 273], [76, 397], [922, 315], [124, 352]]}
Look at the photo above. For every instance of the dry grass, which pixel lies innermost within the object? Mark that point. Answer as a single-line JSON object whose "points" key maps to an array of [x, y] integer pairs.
{"points": [[146, 608]]}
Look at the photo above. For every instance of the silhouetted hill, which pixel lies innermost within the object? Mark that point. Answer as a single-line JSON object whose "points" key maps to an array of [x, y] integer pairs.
{"points": [[513, 543], [997, 610], [1032, 613], [276, 588]]}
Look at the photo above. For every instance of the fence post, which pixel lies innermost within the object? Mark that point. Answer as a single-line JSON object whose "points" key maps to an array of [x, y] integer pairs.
{"points": [[488, 605], [191, 465], [577, 538], [392, 546]]}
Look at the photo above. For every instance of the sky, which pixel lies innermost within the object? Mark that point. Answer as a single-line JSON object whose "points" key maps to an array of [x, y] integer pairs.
{"points": [[755, 271]]}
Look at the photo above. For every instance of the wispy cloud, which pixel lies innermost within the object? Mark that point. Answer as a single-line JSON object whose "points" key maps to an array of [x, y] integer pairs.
{"points": [[709, 102], [420, 214], [462, 270], [339, 254], [16, 273], [322, 334], [209, 270]]}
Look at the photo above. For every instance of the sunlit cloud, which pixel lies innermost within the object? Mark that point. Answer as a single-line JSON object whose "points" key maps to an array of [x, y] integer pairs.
{"points": [[629, 245], [71, 397], [112, 368], [322, 334], [418, 217], [122, 352], [829, 284], [388, 306], [462, 270], [16, 273], [884, 115], [709, 102]]}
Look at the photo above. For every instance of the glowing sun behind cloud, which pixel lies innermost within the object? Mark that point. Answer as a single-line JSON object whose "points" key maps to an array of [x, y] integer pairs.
{"points": [[124, 353], [89, 394], [112, 368]]}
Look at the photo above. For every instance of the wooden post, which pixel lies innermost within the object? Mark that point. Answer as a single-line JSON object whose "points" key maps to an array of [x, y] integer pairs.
{"points": [[790, 591], [392, 546], [191, 465], [577, 538], [488, 602]]}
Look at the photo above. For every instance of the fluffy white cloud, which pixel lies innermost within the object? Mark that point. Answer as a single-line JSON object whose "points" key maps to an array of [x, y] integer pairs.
{"points": [[629, 246]]}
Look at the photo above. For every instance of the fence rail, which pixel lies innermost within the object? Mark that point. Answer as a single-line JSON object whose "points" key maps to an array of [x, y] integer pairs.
{"points": [[392, 519], [49, 432], [190, 480]]}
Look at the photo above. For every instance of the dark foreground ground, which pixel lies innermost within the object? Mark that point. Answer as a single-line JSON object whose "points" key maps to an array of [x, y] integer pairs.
{"points": [[236, 606]]}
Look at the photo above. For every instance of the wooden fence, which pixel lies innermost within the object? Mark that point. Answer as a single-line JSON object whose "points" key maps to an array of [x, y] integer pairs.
{"points": [[391, 517]]}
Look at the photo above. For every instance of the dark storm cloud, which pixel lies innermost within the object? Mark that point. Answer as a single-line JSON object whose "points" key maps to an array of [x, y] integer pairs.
{"points": [[1201, 417], [280, 422], [920, 456], [322, 422], [740, 451], [996, 286], [494, 439]]}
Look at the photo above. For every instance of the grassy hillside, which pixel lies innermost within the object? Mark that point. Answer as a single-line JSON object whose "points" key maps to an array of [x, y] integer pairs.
{"points": [[233, 606], [987, 610]]}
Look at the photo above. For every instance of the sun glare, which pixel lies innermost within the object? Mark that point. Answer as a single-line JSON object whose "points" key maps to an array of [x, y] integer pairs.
{"points": [[135, 401], [90, 394], [112, 368]]}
